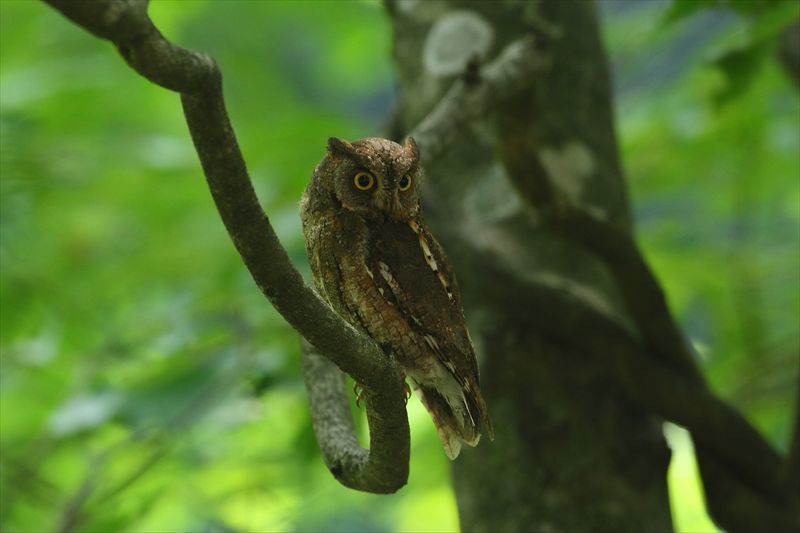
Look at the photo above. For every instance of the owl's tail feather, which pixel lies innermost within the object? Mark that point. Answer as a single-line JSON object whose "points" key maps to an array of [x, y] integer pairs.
{"points": [[477, 406], [443, 419], [454, 423]]}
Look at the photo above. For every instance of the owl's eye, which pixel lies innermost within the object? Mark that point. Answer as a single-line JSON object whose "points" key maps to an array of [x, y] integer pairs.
{"points": [[363, 181], [405, 183]]}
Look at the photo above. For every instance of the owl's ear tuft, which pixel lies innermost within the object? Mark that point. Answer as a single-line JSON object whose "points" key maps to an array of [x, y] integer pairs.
{"points": [[410, 148], [339, 146]]}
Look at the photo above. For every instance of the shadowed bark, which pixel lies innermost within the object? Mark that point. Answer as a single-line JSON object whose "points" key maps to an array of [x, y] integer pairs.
{"points": [[571, 453], [581, 357]]}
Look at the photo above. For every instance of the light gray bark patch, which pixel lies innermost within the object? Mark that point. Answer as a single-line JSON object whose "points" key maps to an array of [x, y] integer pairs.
{"points": [[569, 167], [453, 40]]}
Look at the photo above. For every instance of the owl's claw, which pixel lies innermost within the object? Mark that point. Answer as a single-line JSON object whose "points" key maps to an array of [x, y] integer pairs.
{"points": [[358, 390]]}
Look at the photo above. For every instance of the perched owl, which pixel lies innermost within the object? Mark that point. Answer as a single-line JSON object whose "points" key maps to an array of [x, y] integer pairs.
{"points": [[376, 262]]}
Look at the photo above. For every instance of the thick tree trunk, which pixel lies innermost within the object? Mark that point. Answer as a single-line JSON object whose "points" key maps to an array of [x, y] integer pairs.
{"points": [[571, 452]]}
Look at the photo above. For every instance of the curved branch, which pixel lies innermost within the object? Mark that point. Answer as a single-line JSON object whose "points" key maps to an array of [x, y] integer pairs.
{"points": [[197, 78], [351, 464]]}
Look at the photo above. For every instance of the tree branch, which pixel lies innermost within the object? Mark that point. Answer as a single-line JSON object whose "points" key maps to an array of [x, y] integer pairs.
{"points": [[197, 78], [713, 423], [469, 101], [352, 465], [739, 465], [736, 462]]}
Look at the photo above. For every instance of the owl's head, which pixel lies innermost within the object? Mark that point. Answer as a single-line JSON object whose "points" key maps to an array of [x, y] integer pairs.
{"points": [[376, 178]]}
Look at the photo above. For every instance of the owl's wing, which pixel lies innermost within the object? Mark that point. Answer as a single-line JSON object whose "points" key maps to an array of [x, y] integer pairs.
{"points": [[414, 275], [379, 279], [337, 246]]}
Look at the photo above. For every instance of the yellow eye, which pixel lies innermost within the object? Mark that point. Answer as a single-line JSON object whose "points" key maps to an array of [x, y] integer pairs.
{"points": [[405, 183], [363, 181]]}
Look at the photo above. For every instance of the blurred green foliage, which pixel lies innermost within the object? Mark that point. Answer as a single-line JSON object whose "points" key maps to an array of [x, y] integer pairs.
{"points": [[147, 385]]}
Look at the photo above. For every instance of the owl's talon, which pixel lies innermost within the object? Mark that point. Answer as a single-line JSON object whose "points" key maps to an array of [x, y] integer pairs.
{"points": [[358, 390]]}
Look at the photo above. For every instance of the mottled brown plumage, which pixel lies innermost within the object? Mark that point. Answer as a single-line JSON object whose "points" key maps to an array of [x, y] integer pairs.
{"points": [[375, 261]]}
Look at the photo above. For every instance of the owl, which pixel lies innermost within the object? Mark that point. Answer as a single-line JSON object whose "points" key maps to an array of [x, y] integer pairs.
{"points": [[377, 264]]}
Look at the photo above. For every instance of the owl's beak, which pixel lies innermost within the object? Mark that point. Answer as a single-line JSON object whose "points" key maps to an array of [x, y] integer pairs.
{"points": [[395, 207]]}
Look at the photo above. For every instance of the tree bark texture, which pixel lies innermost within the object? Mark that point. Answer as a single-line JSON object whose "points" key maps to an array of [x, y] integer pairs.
{"points": [[572, 453]]}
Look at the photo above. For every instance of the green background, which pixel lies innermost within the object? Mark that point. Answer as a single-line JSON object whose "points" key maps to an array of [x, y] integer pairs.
{"points": [[147, 385]]}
